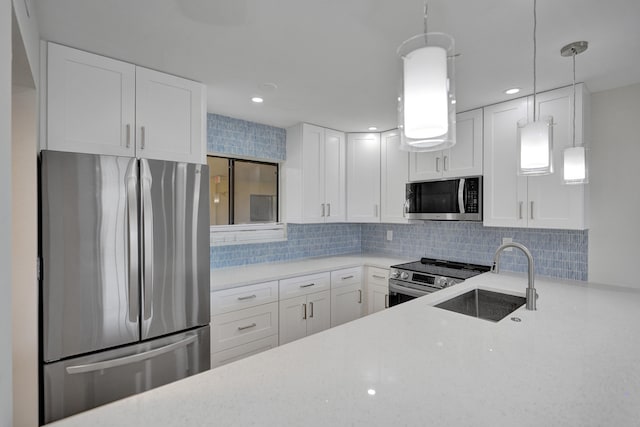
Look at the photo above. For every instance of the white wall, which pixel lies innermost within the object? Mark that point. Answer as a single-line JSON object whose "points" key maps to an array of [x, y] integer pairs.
{"points": [[6, 402], [614, 235], [24, 253]]}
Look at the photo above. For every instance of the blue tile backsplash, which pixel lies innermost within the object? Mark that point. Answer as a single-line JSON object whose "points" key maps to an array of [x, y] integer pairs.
{"points": [[226, 135], [303, 241], [557, 253]]}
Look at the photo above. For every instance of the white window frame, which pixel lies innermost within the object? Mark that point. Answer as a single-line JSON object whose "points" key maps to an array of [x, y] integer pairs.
{"points": [[242, 234]]}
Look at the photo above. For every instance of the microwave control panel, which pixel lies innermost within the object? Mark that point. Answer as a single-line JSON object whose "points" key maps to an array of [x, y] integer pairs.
{"points": [[472, 196]]}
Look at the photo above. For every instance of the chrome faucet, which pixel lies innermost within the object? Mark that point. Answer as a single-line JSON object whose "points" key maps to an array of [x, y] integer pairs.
{"points": [[531, 291]]}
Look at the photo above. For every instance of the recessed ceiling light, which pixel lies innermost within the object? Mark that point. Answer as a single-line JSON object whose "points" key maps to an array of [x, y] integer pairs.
{"points": [[257, 100], [512, 91], [373, 128]]}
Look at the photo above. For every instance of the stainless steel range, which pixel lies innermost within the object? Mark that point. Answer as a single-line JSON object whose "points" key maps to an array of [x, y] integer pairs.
{"points": [[415, 279]]}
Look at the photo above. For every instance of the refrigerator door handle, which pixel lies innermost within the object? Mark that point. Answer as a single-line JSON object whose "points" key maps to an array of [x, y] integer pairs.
{"points": [[147, 239], [132, 225], [98, 366]]}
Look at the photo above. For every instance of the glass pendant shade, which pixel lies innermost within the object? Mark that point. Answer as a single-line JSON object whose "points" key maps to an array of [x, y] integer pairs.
{"points": [[535, 147], [575, 165], [426, 105]]}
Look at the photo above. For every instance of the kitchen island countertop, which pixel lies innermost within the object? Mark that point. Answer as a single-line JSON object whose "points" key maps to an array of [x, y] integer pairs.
{"points": [[573, 362]]}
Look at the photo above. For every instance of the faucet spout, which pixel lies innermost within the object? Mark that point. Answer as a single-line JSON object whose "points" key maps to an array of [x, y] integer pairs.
{"points": [[531, 290]]}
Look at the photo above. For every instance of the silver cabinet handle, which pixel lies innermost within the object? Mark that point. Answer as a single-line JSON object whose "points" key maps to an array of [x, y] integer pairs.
{"points": [[437, 164], [128, 136], [322, 209], [444, 163], [386, 301], [328, 209], [347, 277], [531, 213], [127, 360], [375, 210], [307, 285], [133, 243], [359, 296], [304, 308], [142, 137], [310, 310], [242, 328], [246, 298], [375, 276], [520, 210]]}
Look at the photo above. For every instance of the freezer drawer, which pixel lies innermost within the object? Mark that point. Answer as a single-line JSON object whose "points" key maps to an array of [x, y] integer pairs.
{"points": [[82, 383]]}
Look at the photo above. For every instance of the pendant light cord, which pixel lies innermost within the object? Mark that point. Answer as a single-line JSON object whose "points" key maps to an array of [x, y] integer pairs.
{"points": [[574, 98], [426, 14], [535, 23]]}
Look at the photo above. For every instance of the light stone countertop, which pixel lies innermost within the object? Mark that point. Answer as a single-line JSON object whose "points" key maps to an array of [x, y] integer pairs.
{"points": [[231, 277], [573, 362]]}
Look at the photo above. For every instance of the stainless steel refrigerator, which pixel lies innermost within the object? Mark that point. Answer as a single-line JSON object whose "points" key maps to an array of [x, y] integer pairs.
{"points": [[124, 246]]}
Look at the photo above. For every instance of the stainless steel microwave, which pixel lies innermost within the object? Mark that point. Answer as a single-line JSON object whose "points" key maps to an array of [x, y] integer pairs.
{"points": [[458, 199]]}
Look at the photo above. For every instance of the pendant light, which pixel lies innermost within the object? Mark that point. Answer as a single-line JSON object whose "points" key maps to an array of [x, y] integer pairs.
{"points": [[426, 105], [535, 139], [574, 157]]}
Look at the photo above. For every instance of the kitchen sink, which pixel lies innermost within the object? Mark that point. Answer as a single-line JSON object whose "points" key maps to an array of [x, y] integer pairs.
{"points": [[484, 304]]}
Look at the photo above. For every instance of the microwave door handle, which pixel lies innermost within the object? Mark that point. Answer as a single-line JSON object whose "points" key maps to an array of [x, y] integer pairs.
{"points": [[461, 196]]}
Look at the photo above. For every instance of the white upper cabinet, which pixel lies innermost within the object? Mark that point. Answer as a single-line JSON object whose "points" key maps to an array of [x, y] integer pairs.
{"points": [[104, 106], [169, 117], [394, 174], [537, 201], [463, 159], [363, 177], [314, 175]]}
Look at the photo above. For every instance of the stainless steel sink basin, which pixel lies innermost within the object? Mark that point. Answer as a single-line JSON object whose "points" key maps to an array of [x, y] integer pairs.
{"points": [[484, 304]]}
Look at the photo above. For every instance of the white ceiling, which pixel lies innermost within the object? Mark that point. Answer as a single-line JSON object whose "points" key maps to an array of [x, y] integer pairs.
{"points": [[334, 61]]}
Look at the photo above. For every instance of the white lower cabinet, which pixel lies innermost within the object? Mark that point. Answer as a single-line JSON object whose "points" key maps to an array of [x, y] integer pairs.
{"points": [[377, 285], [305, 306], [244, 321], [347, 300]]}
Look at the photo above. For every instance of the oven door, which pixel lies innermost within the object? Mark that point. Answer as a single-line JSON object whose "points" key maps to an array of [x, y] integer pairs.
{"points": [[399, 292]]}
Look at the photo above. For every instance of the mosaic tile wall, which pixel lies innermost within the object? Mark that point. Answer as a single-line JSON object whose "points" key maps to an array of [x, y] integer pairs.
{"points": [[557, 253], [304, 241], [226, 135]]}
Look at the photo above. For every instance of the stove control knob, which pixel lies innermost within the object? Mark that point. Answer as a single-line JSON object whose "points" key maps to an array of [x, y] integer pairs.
{"points": [[404, 275], [394, 274]]}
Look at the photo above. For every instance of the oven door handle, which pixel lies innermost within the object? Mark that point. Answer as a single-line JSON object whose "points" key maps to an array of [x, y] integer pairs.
{"points": [[399, 289]]}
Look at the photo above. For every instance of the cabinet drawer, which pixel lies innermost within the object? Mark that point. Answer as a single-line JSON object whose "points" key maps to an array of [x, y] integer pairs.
{"points": [[243, 326], [243, 297], [346, 276], [304, 285], [377, 276], [245, 350]]}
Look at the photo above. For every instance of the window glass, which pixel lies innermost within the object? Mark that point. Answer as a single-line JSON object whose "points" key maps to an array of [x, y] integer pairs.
{"points": [[242, 191]]}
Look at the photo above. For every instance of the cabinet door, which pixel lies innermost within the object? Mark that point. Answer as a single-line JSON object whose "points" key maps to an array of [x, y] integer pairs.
{"points": [[505, 193], [425, 166], [465, 158], [394, 174], [318, 312], [551, 203], [334, 176], [363, 177], [312, 173], [346, 304], [378, 298], [293, 319], [90, 103], [170, 117]]}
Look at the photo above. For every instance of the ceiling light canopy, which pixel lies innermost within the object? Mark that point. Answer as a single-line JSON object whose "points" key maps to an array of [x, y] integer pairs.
{"points": [[426, 105], [257, 100], [535, 138], [512, 91]]}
